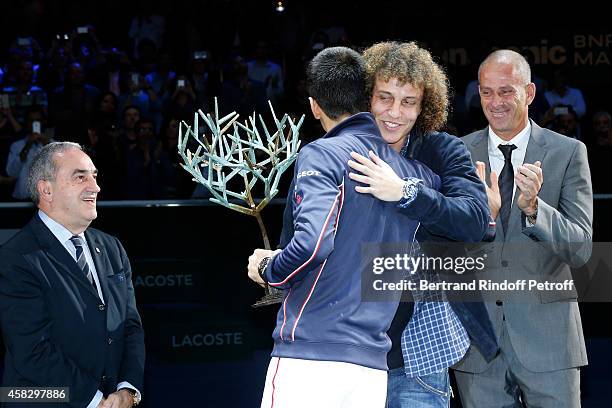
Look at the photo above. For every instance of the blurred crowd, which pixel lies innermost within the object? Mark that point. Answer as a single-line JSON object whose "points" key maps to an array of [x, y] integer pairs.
{"points": [[124, 105]]}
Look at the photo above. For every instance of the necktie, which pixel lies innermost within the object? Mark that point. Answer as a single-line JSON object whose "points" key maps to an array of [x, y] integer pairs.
{"points": [[506, 184], [81, 261]]}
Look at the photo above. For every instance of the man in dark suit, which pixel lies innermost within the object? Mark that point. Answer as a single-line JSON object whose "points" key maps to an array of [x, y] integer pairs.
{"points": [[67, 304], [542, 200]]}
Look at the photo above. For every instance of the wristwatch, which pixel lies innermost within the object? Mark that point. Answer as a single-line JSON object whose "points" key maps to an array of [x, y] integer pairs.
{"points": [[410, 190], [135, 396], [261, 268]]}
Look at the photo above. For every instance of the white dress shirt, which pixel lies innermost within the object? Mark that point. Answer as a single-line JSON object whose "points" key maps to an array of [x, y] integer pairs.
{"points": [[63, 236], [496, 158]]}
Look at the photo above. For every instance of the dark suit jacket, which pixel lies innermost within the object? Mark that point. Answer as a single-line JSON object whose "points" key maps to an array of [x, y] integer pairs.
{"points": [[57, 331]]}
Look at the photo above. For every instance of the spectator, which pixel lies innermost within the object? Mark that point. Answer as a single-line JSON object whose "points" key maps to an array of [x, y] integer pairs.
{"points": [[266, 77], [11, 68], [73, 105], [235, 94], [602, 128], [24, 94], [29, 50], [565, 122], [562, 95], [182, 104], [171, 181], [86, 49], [128, 138], [147, 57], [136, 153], [51, 75], [111, 73], [200, 77], [130, 115], [139, 93], [162, 77], [107, 110], [23, 151], [147, 26]]}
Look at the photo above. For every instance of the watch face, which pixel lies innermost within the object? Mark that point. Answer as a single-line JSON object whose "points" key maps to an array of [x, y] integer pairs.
{"points": [[408, 190]]}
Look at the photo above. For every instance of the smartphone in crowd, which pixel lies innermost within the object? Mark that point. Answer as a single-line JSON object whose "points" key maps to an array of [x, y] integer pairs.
{"points": [[561, 110], [200, 55], [23, 42], [135, 78], [180, 83], [82, 30], [36, 127]]}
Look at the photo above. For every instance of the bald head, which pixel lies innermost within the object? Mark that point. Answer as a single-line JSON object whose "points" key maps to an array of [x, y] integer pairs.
{"points": [[508, 57], [506, 91]]}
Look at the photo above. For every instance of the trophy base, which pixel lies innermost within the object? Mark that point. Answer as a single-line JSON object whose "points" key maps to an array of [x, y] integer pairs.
{"points": [[272, 298]]}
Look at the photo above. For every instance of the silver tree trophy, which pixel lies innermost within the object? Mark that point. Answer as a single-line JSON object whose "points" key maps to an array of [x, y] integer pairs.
{"points": [[240, 154]]}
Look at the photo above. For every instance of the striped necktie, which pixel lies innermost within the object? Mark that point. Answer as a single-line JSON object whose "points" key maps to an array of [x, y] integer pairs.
{"points": [[81, 260]]}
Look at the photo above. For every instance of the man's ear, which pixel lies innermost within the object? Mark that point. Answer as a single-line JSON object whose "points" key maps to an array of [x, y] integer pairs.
{"points": [[531, 91], [44, 190], [315, 108]]}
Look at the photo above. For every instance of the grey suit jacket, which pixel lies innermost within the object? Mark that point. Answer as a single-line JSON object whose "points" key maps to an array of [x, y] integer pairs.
{"points": [[544, 327]]}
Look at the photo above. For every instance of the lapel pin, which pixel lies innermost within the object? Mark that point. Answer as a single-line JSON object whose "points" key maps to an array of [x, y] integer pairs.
{"points": [[97, 250]]}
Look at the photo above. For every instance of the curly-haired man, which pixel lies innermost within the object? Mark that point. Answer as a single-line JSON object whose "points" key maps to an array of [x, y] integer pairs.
{"points": [[409, 100]]}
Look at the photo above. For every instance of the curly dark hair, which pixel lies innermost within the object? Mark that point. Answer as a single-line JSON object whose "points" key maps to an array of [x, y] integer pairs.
{"points": [[411, 64]]}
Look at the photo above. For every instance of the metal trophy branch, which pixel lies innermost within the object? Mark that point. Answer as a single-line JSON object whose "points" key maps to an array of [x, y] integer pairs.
{"points": [[227, 150]]}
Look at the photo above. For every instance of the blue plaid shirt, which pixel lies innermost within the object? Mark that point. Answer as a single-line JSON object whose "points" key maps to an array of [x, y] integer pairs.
{"points": [[434, 339]]}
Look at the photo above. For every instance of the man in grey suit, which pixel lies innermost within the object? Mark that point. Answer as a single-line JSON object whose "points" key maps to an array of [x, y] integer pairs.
{"points": [[541, 199]]}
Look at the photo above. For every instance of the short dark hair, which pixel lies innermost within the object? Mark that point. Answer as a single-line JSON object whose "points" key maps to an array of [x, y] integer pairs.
{"points": [[336, 80]]}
